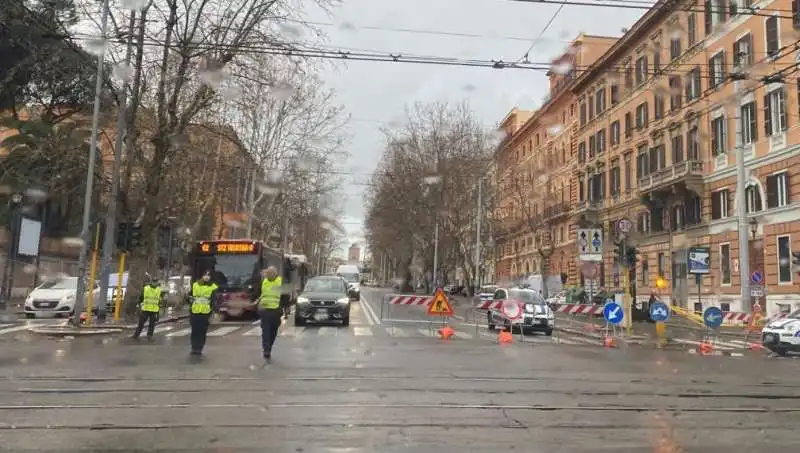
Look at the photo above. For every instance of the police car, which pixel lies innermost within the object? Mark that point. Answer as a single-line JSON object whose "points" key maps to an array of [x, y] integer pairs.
{"points": [[782, 335], [536, 315]]}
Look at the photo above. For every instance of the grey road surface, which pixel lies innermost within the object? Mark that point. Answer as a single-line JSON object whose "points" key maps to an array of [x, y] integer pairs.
{"points": [[378, 393]]}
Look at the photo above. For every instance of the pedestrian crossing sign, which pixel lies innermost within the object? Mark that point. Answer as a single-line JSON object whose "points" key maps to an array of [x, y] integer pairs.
{"points": [[440, 306]]}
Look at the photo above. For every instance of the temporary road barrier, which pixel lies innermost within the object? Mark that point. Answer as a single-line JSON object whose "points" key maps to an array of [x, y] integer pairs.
{"points": [[391, 302]]}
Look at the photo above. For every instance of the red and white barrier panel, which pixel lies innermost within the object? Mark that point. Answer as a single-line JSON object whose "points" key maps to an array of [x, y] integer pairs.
{"points": [[578, 309], [488, 304], [399, 299]]}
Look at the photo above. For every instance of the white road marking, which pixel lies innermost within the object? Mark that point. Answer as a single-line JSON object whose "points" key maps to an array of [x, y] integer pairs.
{"points": [[256, 332], [222, 331], [180, 333], [362, 331], [396, 332], [164, 328], [426, 332], [14, 329], [373, 318], [327, 331], [462, 335]]}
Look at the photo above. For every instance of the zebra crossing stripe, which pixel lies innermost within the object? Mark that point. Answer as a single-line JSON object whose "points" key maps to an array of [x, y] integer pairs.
{"points": [[254, 332], [223, 331], [327, 332], [362, 331], [164, 328], [396, 332], [463, 335], [15, 329], [180, 333]]}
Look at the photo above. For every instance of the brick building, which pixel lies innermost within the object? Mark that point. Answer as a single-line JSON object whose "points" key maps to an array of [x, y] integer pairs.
{"points": [[659, 118]]}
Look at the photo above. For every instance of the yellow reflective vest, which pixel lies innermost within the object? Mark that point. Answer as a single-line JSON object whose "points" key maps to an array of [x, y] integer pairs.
{"points": [[201, 298], [271, 293], [151, 298]]}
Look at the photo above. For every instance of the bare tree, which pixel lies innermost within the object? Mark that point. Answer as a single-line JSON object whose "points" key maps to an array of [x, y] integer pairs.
{"points": [[427, 176], [187, 51]]}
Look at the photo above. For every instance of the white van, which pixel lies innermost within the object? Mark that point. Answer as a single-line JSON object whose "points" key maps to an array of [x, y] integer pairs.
{"points": [[350, 273]]}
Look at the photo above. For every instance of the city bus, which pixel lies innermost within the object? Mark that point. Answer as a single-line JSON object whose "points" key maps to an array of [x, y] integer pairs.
{"points": [[235, 267]]}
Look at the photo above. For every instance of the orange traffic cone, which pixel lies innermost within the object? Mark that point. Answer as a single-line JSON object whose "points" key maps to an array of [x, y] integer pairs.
{"points": [[505, 337], [755, 346], [445, 333], [84, 317], [706, 348], [609, 342]]}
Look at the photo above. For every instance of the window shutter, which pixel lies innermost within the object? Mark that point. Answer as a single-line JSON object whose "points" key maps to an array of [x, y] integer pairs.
{"points": [[772, 191], [772, 35], [716, 204], [767, 117], [754, 122], [711, 72], [733, 7], [782, 107], [795, 14], [714, 145], [708, 11], [736, 51]]}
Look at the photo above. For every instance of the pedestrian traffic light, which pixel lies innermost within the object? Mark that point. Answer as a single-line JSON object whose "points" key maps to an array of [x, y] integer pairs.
{"points": [[123, 236], [135, 236]]}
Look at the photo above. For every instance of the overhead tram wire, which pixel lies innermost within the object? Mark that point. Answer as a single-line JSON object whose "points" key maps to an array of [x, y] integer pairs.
{"points": [[632, 4], [541, 33]]}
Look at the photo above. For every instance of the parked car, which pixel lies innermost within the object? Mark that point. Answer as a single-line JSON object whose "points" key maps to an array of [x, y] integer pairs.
{"points": [[55, 298]]}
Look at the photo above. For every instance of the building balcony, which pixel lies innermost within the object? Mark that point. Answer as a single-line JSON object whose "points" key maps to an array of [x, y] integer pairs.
{"points": [[689, 173], [585, 206], [556, 210]]}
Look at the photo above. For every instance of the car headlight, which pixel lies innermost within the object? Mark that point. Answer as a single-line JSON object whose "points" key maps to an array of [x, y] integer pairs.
{"points": [[344, 300], [68, 298], [529, 308], [302, 300]]}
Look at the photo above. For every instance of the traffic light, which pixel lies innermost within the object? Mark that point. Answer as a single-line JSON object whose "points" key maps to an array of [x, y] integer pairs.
{"points": [[123, 236], [620, 253], [630, 256], [135, 236]]}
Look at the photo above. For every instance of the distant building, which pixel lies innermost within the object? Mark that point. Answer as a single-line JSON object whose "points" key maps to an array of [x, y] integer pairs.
{"points": [[354, 253]]}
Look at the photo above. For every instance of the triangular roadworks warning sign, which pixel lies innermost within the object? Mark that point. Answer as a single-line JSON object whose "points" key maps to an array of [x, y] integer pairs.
{"points": [[440, 306]]}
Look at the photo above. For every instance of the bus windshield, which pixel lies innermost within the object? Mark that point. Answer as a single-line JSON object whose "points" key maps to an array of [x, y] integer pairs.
{"points": [[231, 271]]}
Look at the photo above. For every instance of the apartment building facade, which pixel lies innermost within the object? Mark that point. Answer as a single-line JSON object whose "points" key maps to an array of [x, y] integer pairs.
{"points": [[660, 117], [535, 228]]}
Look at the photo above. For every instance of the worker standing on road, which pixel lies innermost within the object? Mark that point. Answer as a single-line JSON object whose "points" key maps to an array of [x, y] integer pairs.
{"points": [[270, 299], [203, 300], [149, 306]]}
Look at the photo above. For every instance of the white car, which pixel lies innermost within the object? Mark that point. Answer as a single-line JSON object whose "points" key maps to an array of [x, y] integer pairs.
{"points": [[536, 314], [54, 298], [782, 335]]}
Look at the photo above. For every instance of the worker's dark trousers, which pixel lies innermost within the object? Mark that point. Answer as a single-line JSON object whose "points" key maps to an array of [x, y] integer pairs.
{"points": [[144, 317], [270, 322], [199, 324]]}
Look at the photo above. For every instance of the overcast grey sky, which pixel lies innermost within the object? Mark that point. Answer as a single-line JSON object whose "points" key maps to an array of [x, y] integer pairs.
{"points": [[375, 93]]}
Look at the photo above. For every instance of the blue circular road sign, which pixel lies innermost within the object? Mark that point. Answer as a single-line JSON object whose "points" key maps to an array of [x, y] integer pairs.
{"points": [[756, 278], [659, 311], [712, 317], [613, 313]]}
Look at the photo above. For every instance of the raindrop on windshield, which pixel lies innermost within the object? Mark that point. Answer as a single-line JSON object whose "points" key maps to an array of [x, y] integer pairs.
{"points": [[469, 88], [212, 77], [72, 242], [291, 31], [273, 175], [562, 68], [282, 91], [35, 195], [555, 129], [133, 4], [97, 46], [347, 26], [123, 72]]}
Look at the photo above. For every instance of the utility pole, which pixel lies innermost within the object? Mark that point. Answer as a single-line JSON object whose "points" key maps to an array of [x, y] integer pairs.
{"points": [[478, 220], [436, 254], [741, 206], [87, 198], [111, 211]]}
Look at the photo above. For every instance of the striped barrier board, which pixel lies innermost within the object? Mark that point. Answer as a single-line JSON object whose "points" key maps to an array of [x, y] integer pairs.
{"points": [[401, 299]]}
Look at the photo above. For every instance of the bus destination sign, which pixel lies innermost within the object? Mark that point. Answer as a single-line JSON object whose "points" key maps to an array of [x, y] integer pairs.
{"points": [[227, 247]]}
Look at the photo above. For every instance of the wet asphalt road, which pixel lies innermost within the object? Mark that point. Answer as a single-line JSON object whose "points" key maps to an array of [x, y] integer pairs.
{"points": [[377, 393]]}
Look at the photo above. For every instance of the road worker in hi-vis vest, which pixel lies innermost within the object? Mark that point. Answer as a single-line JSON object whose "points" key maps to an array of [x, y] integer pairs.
{"points": [[269, 296], [203, 300], [150, 303]]}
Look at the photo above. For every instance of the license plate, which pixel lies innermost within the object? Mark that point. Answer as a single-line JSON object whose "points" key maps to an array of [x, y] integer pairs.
{"points": [[320, 316]]}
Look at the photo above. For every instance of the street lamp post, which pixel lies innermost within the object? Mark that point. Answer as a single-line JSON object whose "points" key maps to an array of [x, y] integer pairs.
{"points": [[546, 251], [15, 205]]}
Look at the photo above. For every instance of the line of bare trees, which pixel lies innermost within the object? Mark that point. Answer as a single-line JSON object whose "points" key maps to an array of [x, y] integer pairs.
{"points": [[212, 120], [429, 174]]}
